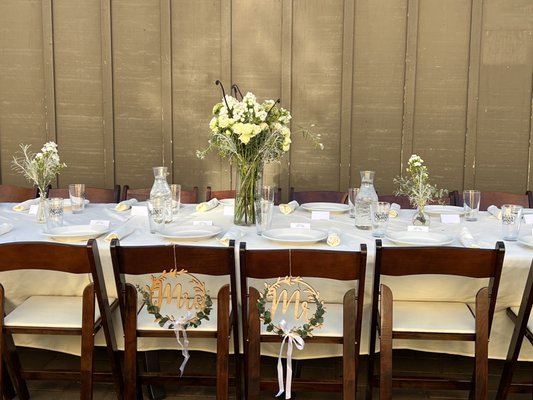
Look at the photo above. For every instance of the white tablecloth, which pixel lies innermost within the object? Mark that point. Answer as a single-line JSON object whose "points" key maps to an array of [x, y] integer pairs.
{"points": [[487, 230]]}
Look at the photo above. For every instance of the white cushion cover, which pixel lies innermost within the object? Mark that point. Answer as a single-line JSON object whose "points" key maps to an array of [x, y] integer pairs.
{"points": [[529, 322], [432, 316], [146, 321], [49, 311]]}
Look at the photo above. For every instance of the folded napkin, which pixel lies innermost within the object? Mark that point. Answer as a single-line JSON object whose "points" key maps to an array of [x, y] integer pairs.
{"points": [[120, 233], [394, 210], [207, 205], [467, 239], [25, 205], [495, 211], [5, 228], [288, 208], [125, 205], [334, 237], [233, 233]]}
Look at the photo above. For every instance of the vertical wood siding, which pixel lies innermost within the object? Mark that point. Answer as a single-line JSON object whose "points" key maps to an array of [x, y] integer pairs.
{"points": [[125, 85]]}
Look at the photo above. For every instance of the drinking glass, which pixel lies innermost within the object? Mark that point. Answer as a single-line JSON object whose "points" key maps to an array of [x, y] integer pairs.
{"points": [[54, 215], [76, 193], [511, 216], [379, 212], [471, 200], [352, 194], [175, 190], [156, 214], [264, 208]]}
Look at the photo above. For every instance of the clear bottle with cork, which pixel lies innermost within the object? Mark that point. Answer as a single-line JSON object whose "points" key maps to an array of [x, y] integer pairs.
{"points": [[363, 202], [161, 189]]}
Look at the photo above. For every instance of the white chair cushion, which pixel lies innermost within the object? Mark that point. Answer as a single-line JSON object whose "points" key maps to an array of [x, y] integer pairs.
{"points": [[529, 322], [49, 311], [146, 321], [432, 316], [332, 326]]}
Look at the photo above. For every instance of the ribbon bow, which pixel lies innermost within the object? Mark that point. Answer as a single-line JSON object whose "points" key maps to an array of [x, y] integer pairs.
{"points": [[292, 339], [179, 326]]}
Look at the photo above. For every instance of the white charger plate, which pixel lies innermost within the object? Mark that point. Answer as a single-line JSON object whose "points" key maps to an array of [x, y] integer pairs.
{"points": [[526, 240], [331, 207], [294, 235], [419, 238], [75, 233], [190, 232], [443, 209]]}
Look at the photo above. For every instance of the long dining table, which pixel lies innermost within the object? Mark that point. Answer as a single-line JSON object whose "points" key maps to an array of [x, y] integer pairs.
{"points": [[486, 231]]}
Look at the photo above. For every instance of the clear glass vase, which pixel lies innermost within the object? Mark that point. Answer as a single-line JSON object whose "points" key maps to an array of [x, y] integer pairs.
{"points": [[161, 190], [363, 201], [41, 209], [249, 178], [421, 217]]}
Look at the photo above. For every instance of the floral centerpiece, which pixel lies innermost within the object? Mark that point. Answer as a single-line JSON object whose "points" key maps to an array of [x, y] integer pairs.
{"points": [[40, 169], [415, 185], [249, 134]]}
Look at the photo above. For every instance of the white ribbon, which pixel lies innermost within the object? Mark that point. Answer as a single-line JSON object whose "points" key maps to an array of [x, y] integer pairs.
{"points": [[179, 326], [292, 339]]}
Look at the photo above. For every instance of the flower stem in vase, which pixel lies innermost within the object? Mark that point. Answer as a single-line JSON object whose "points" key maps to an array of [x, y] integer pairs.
{"points": [[248, 176], [41, 216]]}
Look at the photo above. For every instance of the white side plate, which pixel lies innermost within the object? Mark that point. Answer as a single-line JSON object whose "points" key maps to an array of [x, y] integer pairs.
{"points": [[75, 233], [190, 232], [331, 207], [419, 238], [295, 236], [438, 210]]}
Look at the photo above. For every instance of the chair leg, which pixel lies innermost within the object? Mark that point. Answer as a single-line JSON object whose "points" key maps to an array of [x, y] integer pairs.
{"points": [[482, 344], [223, 337], [385, 364], [349, 353], [253, 354], [87, 343], [14, 367], [130, 343]]}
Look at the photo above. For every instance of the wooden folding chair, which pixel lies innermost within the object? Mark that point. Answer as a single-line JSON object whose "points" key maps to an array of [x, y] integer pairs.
{"points": [[318, 196], [498, 199], [17, 194], [259, 265], [523, 327], [130, 262], [93, 194], [187, 196], [433, 320], [56, 314], [404, 202]]}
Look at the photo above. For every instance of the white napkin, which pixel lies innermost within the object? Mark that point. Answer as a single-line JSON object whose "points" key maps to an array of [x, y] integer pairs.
{"points": [[5, 228], [288, 208], [125, 205], [233, 233], [334, 237], [467, 239], [394, 210], [25, 205], [120, 233], [495, 211], [207, 205]]}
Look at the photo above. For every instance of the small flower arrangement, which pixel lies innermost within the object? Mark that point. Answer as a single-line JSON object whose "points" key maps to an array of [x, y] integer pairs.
{"points": [[41, 168], [415, 184]]}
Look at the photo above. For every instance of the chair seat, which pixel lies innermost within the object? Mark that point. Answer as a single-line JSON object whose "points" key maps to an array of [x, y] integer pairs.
{"points": [[146, 321], [49, 311], [427, 317], [530, 320], [332, 326]]}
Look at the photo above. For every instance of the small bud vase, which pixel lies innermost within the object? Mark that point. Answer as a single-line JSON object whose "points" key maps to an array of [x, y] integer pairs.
{"points": [[421, 217], [41, 209]]}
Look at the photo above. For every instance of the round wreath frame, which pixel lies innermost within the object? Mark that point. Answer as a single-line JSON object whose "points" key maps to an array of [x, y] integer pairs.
{"points": [[199, 291], [304, 331]]}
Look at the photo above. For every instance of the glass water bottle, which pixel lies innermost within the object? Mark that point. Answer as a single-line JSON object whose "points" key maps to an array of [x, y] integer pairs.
{"points": [[161, 189], [363, 202]]}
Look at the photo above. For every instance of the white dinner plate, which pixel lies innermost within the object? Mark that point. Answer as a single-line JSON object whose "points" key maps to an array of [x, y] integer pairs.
{"points": [[75, 233], [526, 240], [419, 238], [443, 209], [68, 203], [191, 232], [227, 202], [331, 207], [295, 235]]}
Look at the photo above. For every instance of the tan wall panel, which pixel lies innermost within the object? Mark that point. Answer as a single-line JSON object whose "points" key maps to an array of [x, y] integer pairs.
{"points": [[22, 111], [78, 89], [137, 91], [316, 84], [378, 90]]}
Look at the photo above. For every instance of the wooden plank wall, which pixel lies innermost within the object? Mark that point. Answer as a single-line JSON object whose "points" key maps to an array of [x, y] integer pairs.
{"points": [[124, 85]]}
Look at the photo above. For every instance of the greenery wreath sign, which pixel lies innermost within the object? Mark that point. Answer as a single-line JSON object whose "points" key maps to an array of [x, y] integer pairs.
{"points": [[272, 294], [200, 299]]}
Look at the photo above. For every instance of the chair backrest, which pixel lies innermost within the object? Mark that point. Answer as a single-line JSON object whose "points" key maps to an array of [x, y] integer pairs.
{"points": [[459, 261], [318, 196], [404, 202], [498, 199], [187, 196], [93, 194], [230, 194], [17, 194]]}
